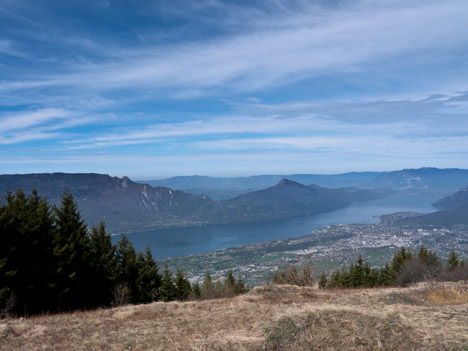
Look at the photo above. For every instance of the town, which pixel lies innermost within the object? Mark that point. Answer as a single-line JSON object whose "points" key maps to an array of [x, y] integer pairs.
{"points": [[325, 249]]}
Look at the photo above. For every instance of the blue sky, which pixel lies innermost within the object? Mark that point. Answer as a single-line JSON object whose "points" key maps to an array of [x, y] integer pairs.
{"points": [[151, 89]]}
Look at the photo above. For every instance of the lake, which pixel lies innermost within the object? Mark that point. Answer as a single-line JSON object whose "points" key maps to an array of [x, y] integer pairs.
{"points": [[194, 240]]}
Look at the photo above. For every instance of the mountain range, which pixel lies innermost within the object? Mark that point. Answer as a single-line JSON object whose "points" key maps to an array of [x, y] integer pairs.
{"points": [[122, 203], [433, 181], [126, 205]]}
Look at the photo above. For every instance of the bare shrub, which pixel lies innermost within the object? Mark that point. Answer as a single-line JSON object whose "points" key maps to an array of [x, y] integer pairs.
{"points": [[415, 271], [454, 275], [122, 294], [10, 304], [303, 277]]}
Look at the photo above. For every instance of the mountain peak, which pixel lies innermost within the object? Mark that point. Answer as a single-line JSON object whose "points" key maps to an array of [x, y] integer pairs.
{"points": [[285, 181]]}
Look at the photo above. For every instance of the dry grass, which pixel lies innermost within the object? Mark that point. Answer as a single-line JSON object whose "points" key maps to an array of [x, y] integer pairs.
{"points": [[423, 317]]}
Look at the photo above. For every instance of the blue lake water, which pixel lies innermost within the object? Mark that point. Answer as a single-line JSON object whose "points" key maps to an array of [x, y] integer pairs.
{"points": [[193, 240]]}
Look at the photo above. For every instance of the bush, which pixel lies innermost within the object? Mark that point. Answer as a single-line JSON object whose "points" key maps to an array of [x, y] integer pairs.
{"points": [[292, 276]]}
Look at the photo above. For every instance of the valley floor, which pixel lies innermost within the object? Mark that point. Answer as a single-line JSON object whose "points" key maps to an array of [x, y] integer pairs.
{"points": [[429, 316]]}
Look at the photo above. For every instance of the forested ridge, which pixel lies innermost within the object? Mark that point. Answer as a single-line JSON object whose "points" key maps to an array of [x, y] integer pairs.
{"points": [[50, 262]]}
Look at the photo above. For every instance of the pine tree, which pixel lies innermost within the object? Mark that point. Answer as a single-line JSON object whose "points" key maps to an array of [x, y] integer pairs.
{"points": [[103, 264], [182, 286], [149, 280], [399, 259], [167, 291], [386, 277], [26, 265], [374, 277], [196, 290], [229, 283], [335, 280], [453, 261], [127, 268], [367, 279], [38, 234], [207, 288], [12, 216], [71, 254], [240, 287]]}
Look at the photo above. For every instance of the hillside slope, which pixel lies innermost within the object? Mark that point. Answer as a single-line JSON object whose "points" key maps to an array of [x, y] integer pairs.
{"points": [[455, 201], [453, 212], [425, 317]]}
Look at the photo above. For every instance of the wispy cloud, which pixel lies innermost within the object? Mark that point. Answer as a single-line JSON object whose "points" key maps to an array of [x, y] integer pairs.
{"points": [[26, 120], [338, 40]]}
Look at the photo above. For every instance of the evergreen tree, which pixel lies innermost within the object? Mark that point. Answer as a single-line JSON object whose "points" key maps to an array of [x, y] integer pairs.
{"points": [[453, 261], [386, 276], [207, 288], [182, 286], [367, 278], [356, 273], [12, 215], [374, 277], [103, 266], [38, 235], [431, 262], [345, 276], [240, 287], [335, 280], [167, 291], [26, 234], [229, 283], [127, 268], [399, 259], [196, 290], [428, 257], [71, 252], [149, 280]]}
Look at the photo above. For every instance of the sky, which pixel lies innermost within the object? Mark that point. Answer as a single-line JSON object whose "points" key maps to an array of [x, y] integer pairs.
{"points": [[153, 89]]}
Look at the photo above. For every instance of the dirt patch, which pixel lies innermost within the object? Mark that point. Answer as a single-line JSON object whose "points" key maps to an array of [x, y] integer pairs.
{"points": [[440, 297]]}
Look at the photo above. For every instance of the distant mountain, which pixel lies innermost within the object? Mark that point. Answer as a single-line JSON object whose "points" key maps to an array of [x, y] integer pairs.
{"points": [[454, 211], [287, 199], [126, 205], [122, 203], [430, 180], [423, 179], [225, 188], [455, 201], [439, 219]]}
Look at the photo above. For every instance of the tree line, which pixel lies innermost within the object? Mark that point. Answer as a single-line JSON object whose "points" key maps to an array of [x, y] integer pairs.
{"points": [[405, 268], [50, 262]]}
